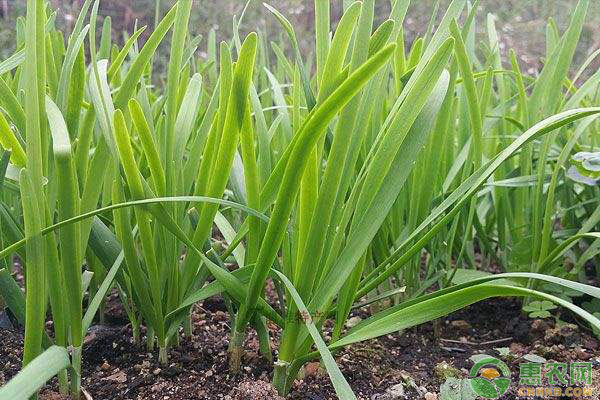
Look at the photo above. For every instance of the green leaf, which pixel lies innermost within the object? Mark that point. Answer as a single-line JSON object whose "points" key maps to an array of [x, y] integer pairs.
{"points": [[36, 374], [134, 74], [466, 275], [534, 358], [457, 389], [67, 67], [35, 280], [68, 207], [236, 109], [429, 309], [539, 314], [101, 293], [150, 147], [117, 62], [9, 142]]}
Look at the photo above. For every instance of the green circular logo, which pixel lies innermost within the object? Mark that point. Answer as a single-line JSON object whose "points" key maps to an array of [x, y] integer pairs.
{"points": [[490, 378]]}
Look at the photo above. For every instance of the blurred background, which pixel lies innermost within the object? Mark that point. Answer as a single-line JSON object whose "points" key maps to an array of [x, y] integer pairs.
{"points": [[521, 23]]}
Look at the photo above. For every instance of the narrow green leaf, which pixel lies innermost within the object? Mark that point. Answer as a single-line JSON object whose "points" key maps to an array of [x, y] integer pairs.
{"points": [[36, 374]]}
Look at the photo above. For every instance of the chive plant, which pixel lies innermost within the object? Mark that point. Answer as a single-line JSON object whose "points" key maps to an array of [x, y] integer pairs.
{"points": [[367, 176]]}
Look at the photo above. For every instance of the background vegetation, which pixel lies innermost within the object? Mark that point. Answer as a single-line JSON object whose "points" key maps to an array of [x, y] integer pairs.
{"points": [[522, 23]]}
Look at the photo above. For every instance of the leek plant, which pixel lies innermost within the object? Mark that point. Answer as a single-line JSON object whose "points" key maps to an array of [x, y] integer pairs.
{"points": [[367, 176]]}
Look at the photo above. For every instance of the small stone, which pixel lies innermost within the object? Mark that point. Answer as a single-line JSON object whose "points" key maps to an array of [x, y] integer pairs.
{"points": [[144, 365], [105, 366], [118, 376], [461, 325], [430, 396], [220, 316], [539, 326], [395, 392], [353, 321], [312, 368], [156, 371], [582, 355]]}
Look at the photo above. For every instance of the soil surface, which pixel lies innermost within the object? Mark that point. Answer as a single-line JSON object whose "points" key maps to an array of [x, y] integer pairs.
{"points": [[116, 368]]}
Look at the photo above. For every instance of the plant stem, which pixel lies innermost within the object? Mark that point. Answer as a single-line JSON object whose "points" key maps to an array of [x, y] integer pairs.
{"points": [[135, 331], [280, 377], [63, 383], [187, 325], [76, 372], [149, 338], [162, 355], [286, 354]]}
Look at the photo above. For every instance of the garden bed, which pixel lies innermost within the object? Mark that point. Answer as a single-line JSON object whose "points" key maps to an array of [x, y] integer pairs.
{"points": [[115, 368]]}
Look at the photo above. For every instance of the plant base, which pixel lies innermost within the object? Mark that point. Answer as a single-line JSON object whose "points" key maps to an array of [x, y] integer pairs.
{"points": [[236, 351]]}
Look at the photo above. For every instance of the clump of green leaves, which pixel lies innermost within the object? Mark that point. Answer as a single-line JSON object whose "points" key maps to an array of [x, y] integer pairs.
{"points": [[539, 309]]}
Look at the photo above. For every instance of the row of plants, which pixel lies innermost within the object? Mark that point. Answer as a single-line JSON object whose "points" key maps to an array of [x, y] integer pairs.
{"points": [[361, 175]]}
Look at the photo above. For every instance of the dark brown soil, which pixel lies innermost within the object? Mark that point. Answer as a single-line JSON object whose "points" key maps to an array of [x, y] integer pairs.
{"points": [[116, 368]]}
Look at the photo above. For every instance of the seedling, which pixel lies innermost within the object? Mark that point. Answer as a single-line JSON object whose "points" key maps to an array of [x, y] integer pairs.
{"points": [[539, 309]]}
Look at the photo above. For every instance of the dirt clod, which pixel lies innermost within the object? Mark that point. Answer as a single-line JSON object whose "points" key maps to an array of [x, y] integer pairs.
{"points": [[254, 390]]}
